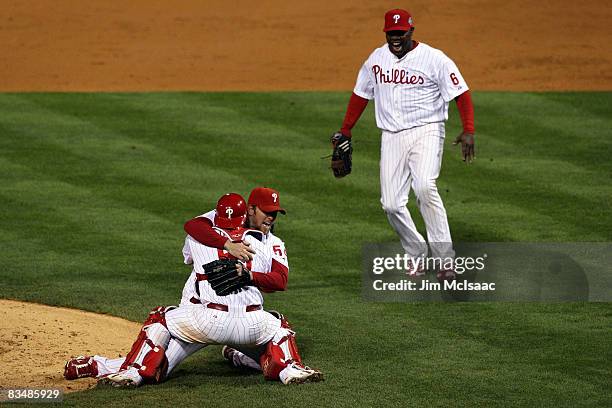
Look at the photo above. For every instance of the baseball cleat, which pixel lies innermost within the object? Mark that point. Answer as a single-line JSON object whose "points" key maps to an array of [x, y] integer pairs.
{"points": [[80, 367], [128, 378], [297, 373], [228, 353], [415, 271]]}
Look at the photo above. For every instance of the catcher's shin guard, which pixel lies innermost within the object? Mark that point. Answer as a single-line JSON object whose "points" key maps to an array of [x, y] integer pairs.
{"points": [[148, 353], [154, 365], [281, 351]]}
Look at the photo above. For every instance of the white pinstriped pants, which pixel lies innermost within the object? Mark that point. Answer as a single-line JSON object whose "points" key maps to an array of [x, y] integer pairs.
{"points": [[412, 158], [194, 326], [236, 327]]}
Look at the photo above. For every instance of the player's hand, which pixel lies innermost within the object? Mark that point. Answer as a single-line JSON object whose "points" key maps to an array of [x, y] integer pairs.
{"points": [[243, 269], [240, 268], [467, 146], [240, 250]]}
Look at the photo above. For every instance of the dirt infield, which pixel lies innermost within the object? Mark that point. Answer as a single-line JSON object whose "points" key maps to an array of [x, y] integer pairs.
{"points": [[36, 341], [146, 45]]}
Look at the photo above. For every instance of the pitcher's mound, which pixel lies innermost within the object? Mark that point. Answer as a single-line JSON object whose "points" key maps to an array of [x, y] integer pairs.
{"points": [[36, 341]]}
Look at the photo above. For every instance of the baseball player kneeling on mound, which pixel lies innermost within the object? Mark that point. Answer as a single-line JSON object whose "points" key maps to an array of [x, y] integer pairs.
{"points": [[220, 305], [411, 84], [263, 207]]}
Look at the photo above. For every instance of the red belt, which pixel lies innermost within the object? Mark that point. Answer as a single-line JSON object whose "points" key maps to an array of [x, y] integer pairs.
{"points": [[224, 308], [201, 276]]}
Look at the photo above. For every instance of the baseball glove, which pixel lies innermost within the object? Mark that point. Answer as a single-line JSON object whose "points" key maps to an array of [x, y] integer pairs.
{"points": [[342, 155], [225, 278]]}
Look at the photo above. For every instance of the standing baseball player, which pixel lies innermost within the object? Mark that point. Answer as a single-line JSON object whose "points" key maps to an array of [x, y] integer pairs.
{"points": [[412, 85], [171, 334]]}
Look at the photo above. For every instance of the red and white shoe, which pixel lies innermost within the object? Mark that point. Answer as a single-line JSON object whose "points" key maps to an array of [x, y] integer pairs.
{"points": [[228, 353], [415, 271], [80, 367], [297, 373]]}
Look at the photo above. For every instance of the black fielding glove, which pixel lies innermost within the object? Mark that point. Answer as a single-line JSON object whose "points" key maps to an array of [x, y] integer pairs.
{"points": [[342, 155], [225, 278]]}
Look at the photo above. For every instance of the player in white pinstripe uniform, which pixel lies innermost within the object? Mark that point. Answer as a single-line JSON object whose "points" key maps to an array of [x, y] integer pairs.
{"points": [[171, 334], [412, 85]]}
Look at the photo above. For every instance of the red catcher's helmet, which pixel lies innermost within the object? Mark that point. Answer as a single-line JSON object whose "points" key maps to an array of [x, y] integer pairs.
{"points": [[231, 211]]}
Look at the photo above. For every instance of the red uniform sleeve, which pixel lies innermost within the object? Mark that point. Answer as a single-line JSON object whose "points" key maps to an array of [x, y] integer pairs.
{"points": [[466, 111], [273, 281], [201, 230], [355, 108]]}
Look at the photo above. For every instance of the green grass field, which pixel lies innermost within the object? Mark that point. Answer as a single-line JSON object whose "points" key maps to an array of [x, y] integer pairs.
{"points": [[96, 187]]}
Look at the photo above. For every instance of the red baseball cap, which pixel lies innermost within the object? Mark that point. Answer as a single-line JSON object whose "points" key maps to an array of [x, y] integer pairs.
{"points": [[267, 199], [398, 19]]}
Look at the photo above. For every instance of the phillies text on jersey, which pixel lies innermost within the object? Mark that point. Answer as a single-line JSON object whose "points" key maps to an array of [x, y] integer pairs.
{"points": [[410, 91]]}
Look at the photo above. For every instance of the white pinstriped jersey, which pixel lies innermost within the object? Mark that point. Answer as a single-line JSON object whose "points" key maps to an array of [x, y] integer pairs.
{"points": [[274, 244], [269, 247], [202, 254], [410, 91]]}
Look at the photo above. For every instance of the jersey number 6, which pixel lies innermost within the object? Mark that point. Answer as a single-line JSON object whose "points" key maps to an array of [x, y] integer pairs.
{"points": [[453, 78]]}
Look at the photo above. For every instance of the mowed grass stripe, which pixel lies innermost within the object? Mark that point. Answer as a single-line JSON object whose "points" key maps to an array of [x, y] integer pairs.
{"points": [[98, 236], [329, 208], [64, 255], [569, 127], [218, 156], [542, 204], [270, 153], [192, 147], [117, 164]]}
